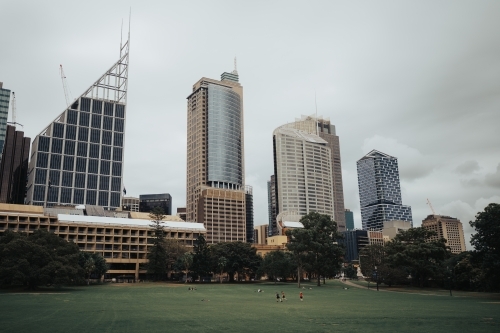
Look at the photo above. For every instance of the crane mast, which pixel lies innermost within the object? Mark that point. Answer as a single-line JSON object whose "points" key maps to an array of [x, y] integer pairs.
{"points": [[65, 85], [14, 111]]}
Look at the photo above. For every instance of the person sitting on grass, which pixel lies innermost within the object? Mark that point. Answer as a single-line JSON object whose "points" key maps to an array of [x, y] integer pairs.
{"points": [[283, 298]]}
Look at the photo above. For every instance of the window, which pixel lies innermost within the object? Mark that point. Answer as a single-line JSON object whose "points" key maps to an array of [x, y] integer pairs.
{"points": [[104, 183], [115, 200], [85, 104], [84, 119], [92, 182], [65, 195], [71, 132], [58, 130], [68, 163], [117, 154], [55, 161], [96, 121], [81, 164], [119, 125], [117, 169], [118, 141], [39, 193], [57, 146], [67, 179], [78, 197], [107, 124], [108, 109], [94, 151], [96, 106], [82, 149], [91, 197], [43, 143], [53, 194], [40, 176], [42, 160], [106, 153], [115, 184], [103, 198], [54, 177], [93, 166], [80, 180], [69, 148], [106, 137], [95, 136], [72, 117], [120, 111], [105, 167]]}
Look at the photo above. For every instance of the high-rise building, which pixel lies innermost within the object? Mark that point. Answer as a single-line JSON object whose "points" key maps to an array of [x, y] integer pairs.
{"points": [[148, 202], [354, 241], [78, 158], [349, 220], [131, 204], [260, 234], [271, 206], [303, 171], [323, 127], [181, 212], [14, 167], [379, 191], [4, 112], [249, 213], [215, 182], [448, 228]]}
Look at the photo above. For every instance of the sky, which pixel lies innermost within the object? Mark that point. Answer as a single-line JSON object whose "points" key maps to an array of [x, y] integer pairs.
{"points": [[418, 80]]}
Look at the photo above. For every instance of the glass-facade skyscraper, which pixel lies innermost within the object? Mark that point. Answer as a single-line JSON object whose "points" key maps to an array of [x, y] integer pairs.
{"points": [[379, 191], [78, 158], [4, 112]]}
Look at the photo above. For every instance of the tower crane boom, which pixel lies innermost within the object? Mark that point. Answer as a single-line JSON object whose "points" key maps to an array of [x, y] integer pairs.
{"points": [[65, 85], [432, 208]]}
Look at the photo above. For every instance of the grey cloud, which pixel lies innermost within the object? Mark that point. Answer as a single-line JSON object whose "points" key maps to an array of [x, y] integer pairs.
{"points": [[467, 167], [493, 179]]}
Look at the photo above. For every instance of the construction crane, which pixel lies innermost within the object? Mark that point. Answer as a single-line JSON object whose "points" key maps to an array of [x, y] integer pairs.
{"points": [[430, 205], [67, 93], [14, 111]]}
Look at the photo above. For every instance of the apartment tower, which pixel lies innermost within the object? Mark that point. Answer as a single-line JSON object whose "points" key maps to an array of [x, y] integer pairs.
{"points": [[78, 158], [4, 112], [215, 193], [379, 191], [448, 228]]}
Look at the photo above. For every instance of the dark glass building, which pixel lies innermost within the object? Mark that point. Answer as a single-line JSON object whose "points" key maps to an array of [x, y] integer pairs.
{"points": [[349, 219], [354, 241], [148, 202], [249, 213], [78, 158], [14, 167], [271, 207], [379, 191]]}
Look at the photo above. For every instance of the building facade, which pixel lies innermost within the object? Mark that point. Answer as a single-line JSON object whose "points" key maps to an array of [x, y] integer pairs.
{"points": [[303, 172], [14, 167], [260, 234], [148, 202], [4, 113], [181, 212], [215, 185], [392, 228], [349, 220], [353, 242], [379, 191], [131, 204], [271, 206], [78, 158], [249, 213], [449, 228]]}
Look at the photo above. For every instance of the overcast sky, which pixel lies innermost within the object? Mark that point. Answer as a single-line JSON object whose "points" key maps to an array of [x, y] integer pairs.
{"points": [[419, 80]]}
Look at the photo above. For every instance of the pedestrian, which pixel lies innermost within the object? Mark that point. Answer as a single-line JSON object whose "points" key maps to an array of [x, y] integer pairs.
{"points": [[301, 296], [283, 298], [277, 297]]}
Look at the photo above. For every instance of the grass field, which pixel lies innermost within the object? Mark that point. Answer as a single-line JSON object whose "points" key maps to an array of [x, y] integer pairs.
{"points": [[152, 307]]}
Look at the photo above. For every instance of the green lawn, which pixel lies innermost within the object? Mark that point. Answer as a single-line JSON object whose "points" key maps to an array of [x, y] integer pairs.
{"points": [[151, 307]]}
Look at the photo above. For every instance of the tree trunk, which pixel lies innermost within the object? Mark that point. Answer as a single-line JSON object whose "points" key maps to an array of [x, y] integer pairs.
{"points": [[319, 280], [298, 276]]}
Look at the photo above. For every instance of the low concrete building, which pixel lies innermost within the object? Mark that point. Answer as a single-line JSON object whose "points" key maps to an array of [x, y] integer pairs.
{"points": [[392, 228], [131, 204], [260, 233], [449, 228]]}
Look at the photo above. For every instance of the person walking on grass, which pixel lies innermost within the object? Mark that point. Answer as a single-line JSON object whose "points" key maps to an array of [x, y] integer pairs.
{"points": [[278, 299], [283, 298], [301, 296]]}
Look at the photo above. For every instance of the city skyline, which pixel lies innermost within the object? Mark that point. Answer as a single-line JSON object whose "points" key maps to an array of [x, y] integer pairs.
{"points": [[418, 81]]}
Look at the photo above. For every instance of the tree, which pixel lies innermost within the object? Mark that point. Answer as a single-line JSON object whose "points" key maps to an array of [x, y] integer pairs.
{"points": [[350, 272], [317, 244], [185, 262], [277, 264], [486, 242], [241, 259], [201, 258], [93, 264], [413, 251], [157, 255], [175, 251], [38, 259]]}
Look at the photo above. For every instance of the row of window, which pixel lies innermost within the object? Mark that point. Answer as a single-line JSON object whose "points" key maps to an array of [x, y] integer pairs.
{"points": [[98, 121], [81, 165], [55, 177], [83, 135], [76, 196], [97, 107], [81, 148]]}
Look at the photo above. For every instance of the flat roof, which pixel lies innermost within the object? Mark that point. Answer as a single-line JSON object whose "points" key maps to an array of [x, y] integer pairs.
{"points": [[132, 222], [288, 224]]}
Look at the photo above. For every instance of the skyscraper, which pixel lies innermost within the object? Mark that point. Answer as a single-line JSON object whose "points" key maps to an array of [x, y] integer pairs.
{"points": [[349, 220], [303, 172], [78, 158], [323, 127], [271, 207], [4, 112], [249, 213], [14, 167], [379, 191], [215, 181]]}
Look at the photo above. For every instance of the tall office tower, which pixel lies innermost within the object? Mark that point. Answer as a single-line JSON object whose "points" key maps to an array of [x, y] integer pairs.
{"points": [[271, 207], [323, 127], [4, 112], [78, 158], [148, 202], [349, 220], [14, 167], [303, 171], [379, 191], [215, 180], [249, 212], [448, 228]]}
